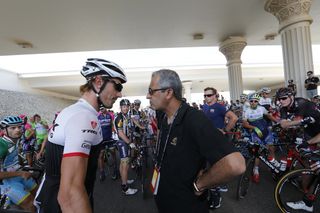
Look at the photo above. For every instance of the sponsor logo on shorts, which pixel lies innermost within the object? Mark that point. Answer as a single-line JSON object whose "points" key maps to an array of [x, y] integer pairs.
{"points": [[86, 145]]}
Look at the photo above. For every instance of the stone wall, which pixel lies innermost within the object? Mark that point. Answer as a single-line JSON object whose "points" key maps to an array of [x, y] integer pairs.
{"points": [[15, 103]]}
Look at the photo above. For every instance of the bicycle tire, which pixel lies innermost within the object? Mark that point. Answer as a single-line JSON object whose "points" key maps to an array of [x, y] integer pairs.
{"points": [[110, 162], [244, 180], [291, 188]]}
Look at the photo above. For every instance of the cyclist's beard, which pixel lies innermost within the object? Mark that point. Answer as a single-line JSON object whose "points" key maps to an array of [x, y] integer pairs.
{"points": [[254, 107], [14, 138]]}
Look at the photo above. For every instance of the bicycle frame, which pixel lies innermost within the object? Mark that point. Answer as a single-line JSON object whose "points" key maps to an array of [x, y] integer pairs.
{"points": [[261, 152]]}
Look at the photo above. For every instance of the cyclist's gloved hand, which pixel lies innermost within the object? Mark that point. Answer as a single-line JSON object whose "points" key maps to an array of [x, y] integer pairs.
{"points": [[132, 145], [307, 120], [259, 133]]}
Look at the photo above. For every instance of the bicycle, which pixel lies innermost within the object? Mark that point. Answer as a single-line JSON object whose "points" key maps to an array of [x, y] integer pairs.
{"points": [[260, 151], [110, 159], [5, 203], [140, 162], [295, 184]]}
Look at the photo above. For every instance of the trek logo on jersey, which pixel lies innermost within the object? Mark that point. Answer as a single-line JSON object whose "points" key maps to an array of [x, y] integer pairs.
{"points": [[89, 131], [211, 110], [94, 124], [86, 146]]}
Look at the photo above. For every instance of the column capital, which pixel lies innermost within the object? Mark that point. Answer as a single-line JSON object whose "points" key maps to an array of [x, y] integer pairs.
{"points": [[289, 12], [186, 84], [232, 49]]}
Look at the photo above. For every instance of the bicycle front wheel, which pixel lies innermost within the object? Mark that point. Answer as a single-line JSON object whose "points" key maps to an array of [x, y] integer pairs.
{"points": [[244, 181], [293, 186]]}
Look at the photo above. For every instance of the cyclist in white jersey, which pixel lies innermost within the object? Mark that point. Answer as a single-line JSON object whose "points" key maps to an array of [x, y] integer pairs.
{"points": [[244, 102], [265, 100], [72, 149], [253, 120]]}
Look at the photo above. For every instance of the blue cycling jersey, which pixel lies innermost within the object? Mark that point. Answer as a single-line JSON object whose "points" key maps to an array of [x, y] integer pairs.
{"points": [[106, 126]]}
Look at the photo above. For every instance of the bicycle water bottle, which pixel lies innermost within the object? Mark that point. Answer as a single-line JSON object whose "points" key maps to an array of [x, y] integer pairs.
{"points": [[283, 165]]}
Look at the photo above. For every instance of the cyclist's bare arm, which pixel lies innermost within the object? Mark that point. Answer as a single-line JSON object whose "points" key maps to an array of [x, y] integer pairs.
{"points": [[222, 171], [72, 195], [137, 123], [315, 139], [123, 137], [31, 135], [232, 120], [43, 145], [287, 123], [24, 174], [246, 124]]}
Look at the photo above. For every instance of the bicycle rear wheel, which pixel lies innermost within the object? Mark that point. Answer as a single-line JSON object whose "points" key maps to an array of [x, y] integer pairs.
{"points": [[111, 162], [244, 180], [292, 187]]}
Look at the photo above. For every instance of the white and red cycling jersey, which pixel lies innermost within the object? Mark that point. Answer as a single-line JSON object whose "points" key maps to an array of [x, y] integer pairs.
{"points": [[76, 128], [75, 132]]}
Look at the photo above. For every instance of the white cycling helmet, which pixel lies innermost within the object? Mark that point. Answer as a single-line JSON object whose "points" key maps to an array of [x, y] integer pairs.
{"points": [[137, 102], [254, 96], [243, 96], [96, 66], [266, 90]]}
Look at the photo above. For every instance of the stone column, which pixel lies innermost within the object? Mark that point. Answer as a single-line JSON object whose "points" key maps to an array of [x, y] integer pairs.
{"points": [[187, 90], [294, 27], [232, 49]]}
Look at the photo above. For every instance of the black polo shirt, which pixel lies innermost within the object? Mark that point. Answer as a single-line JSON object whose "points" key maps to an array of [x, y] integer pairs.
{"points": [[193, 141], [303, 108]]}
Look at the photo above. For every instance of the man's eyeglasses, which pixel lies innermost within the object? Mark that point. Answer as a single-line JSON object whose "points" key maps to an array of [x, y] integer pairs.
{"points": [[117, 86], [283, 98], [254, 101], [152, 91], [207, 95]]}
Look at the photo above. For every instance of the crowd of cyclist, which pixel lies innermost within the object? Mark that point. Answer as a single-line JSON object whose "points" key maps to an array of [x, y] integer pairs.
{"points": [[257, 114], [23, 140]]}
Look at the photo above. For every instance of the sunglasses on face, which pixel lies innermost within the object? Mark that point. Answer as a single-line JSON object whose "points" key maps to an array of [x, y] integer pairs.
{"points": [[283, 98], [152, 91], [254, 101], [208, 95], [117, 86]]}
